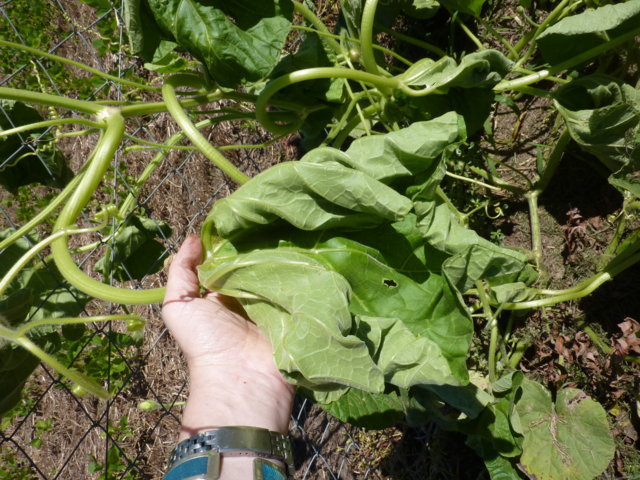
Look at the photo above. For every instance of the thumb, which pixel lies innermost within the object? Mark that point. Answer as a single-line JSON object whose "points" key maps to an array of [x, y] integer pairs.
{"points": [[182, 281]]}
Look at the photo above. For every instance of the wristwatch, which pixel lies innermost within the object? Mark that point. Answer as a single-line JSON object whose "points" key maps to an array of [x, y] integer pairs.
{"points": [[198, 457]]}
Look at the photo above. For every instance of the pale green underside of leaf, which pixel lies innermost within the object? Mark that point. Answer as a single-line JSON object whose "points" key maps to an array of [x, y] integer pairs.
{"points": [[355, 284], [303, 305]]}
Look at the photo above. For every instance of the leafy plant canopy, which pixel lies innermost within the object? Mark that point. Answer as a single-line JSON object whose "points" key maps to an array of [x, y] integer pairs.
{"points": [[355, 260]]}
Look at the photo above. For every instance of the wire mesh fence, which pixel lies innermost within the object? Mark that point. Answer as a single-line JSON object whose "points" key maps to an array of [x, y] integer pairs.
{"points": [[55, 433]]}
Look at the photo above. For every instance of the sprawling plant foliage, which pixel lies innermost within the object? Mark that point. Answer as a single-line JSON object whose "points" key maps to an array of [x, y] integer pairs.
{"points": [[353, 259]]}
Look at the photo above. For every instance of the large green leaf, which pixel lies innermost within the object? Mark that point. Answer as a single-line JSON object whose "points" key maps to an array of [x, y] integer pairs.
{"points": [[578, 33], [472, 257], [329, 188], [603, 117], [309, 196], [16, 365], [473, 104], [28, 157], [236, 41], [479, 69], [144, 33], [368, 410], [305, 307], [565, 439]]}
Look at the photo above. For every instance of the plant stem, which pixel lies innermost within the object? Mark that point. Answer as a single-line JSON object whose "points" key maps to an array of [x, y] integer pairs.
{"points": [[25, 328], [473, 181], [49, 123], [102, 156], [551, 18], [357, 41], [98, 73], [518, 352], [595, 338], [311, 74], [159, 107], [493, 323], [129, 203], [33, 251], [44, 213], [476, 41], [367, 56], [313, 19], [413, 41], [75, 377], [505, 43], [534, 220], [567, 64], [354, 122], [190, 130], [49, 100], [593, 52]]}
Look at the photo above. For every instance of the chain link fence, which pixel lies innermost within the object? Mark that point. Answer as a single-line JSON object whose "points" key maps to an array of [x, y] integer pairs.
{"points": [[53, 433]]}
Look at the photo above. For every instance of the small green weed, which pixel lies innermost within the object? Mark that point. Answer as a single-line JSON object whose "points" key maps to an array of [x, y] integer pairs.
{"points": [[116, 464]]}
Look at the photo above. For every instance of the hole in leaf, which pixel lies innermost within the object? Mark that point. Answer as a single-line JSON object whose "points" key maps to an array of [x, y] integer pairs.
{"points": [[389, 283]]}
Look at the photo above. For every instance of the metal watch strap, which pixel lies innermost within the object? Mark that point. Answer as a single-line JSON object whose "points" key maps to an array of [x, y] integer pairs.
{"points": [[237, 441]]}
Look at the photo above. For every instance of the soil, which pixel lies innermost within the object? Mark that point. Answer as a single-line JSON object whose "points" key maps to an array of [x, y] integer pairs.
{"points": [[566, 340]]}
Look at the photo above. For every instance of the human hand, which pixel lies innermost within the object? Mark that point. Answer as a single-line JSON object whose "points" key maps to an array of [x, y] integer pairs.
{"points": [[234, 380]]}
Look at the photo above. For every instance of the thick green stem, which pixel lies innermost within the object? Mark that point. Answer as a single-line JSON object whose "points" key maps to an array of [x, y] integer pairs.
{"points": [[312, 18], [534, 221], [518, 352], [160, 107], [493, 324], [103, 154], [367, 56], [190, 130], [476, 41], [304, 75], [98, 73], [49, 100]]}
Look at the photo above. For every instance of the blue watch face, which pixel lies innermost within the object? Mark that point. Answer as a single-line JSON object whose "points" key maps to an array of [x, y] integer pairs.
{"points": [[265, 470], [204, 466]]}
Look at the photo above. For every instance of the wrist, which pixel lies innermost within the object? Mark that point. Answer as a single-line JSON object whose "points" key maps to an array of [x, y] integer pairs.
{"points": [[235, 396]]}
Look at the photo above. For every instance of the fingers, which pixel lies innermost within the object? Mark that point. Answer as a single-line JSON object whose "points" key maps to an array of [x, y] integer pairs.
{"points": [[182, 282]]}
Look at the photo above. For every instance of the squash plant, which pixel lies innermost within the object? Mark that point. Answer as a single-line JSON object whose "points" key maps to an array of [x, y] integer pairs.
{"points": [[353, 259]]}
